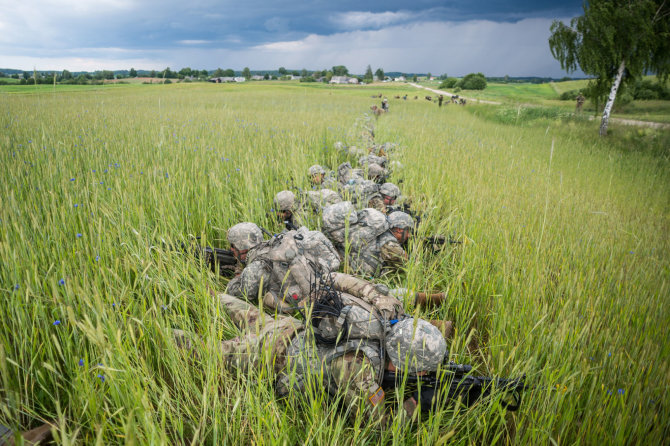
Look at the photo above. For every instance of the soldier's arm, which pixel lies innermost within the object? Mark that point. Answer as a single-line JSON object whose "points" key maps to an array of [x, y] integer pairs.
{"points": [[392, 253], [377, 203], [248, 284], [355, 377]]}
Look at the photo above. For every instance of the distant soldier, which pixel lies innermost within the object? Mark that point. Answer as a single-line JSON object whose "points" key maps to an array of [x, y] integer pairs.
{"points": [[439, 100], [390, 193], [285, 207], [320, 178], [385, 104], [580, 102]]}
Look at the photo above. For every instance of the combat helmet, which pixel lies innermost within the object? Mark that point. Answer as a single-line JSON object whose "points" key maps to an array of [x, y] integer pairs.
{"points": [[415, 345], [389, 190], [284, 201], [400, 220], [245, 236]]}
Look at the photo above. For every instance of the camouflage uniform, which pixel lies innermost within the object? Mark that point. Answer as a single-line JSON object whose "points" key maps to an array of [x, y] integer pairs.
{"points": [[286, 201], [352, 368], [370, 244], [279, 271], [328, 180], [316, 200]]}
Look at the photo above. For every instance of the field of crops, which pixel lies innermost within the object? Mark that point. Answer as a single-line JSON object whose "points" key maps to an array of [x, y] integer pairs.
{"points": [[565, 277]]}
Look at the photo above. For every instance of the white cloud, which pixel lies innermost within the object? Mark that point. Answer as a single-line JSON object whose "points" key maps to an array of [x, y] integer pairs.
{"points": [[456, 48], [193, 42], [361, 20]]}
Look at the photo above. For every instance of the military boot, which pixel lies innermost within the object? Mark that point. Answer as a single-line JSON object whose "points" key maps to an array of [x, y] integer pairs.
{"points": [[428, 300], [445, 327]]}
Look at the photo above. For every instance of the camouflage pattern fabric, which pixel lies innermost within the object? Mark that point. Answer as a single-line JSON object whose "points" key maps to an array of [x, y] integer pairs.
{"points": [[401, 220], [317, 170], [245, 235], [415, 345], [284, 201], [280, 271], [316, 200], [389, 190], [377, 296]]}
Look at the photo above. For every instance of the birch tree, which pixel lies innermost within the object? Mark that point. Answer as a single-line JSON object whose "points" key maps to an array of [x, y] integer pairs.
{"points": [[616, 41]]}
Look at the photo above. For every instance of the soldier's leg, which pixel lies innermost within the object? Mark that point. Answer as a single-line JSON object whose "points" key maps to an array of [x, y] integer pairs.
{"points": [[265, 335], [355, 378]]}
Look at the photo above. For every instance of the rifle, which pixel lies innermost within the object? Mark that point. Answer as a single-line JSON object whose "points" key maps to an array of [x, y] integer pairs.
{"points": [[290, 226], [220, 261], [439, 240], [457, 383]]}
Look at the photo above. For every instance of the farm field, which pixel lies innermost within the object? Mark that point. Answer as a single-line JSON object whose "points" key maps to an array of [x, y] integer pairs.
{"points": [[564, 278]]}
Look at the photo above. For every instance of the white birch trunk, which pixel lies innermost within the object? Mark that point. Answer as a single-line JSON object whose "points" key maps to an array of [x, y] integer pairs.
{"points": [[610, 99]]}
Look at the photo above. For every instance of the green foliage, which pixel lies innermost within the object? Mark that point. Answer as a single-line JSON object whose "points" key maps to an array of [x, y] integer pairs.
{"points": [[449, 82], [132, 72], [368, 77], [473, 81], [307, 79], [569, 95], [340, 70], [246, 73]]}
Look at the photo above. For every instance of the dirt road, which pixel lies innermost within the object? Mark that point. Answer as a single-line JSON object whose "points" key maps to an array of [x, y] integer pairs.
{"points": [[654, 125]]}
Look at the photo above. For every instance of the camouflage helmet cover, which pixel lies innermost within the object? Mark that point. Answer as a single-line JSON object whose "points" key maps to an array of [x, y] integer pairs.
{"points": [[317, 170], [375, 170], [245, 236], [335, 216], [390, 190], [284, 201], [415, 345], [399, 219]]}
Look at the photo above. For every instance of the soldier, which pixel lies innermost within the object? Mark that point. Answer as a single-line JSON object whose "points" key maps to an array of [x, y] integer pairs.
{"points": [[278, 271], [285, 207], [352, 368], [319, 199], [439, 100], [320, 178], [368, 240], [347, 175], [390, 193], [580, 101]]}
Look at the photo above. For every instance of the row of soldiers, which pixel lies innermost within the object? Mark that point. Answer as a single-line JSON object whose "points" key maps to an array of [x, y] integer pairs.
{"points": [[344, 328]]}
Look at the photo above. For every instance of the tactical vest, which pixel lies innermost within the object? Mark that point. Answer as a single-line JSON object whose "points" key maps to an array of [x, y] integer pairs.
{"points": [[294, 258]]}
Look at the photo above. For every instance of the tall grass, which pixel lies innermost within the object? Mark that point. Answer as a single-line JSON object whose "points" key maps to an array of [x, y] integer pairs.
{"points": [[95, 185]]}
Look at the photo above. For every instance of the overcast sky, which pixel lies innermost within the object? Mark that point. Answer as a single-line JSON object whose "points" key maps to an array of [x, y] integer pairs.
{"points": [[496, 37]]}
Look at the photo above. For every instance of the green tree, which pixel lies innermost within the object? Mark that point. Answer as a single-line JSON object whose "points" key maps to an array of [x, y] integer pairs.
{"points": [[152, 73], [340, 70], [380, 74], [428, 76], [304, 73], [282, 71], [66, 75], [246, 73], [219, 73], [473, 81], [615, 40], [132, 73], [368, 77], [229, 72], [266, 76]]}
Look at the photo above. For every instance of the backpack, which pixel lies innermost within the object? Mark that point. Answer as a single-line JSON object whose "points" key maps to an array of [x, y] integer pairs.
{"points": [[294, 258]]}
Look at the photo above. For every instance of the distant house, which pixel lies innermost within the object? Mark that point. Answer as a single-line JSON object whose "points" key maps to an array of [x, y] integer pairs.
{"points": [[219, 80], [343, 80], [400, 79], [294, 78], [257, 77], [239, 79]]}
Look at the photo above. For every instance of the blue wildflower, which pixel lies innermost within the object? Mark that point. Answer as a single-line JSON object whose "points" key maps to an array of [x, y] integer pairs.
{"points": [[71, 179], [609, 354], [631, 252], [97, 258], [163, 307], [79, 234], [166, 175], [81, 363], [76, 205], [57, 322], [61, 282], [102, 378], [93, 170], [621, 391], [16, 287], [609, 392], [105, 170]]}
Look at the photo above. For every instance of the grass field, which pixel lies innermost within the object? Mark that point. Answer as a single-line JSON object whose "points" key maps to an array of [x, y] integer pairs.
{"points": [[565, 278]]}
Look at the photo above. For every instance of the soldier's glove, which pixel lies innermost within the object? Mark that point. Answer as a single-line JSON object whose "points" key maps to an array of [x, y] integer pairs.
{"points": [[425, 398]]}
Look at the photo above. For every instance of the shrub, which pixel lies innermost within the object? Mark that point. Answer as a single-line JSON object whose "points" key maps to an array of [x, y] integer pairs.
{"points": [[473, 81], [449, 82], [569, 95], [307, 79]]}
